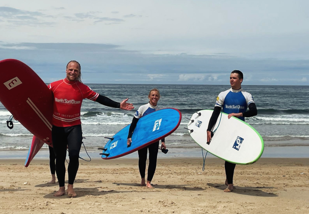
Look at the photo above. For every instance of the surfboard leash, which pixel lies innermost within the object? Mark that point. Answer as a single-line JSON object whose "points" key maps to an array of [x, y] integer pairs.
{"points": [[86, 153], [219, 123], [204, 158], [212, 134], [9, 123]]}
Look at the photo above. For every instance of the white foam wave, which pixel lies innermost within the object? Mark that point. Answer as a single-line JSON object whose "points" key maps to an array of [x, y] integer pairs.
{"points": [[13, 147], [290, 136], [105, 123], [16, 135], [5, 113], [291, 118], [178, 134]]}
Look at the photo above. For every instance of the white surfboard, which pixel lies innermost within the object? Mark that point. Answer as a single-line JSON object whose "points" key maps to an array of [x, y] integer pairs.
{"points": [[234, 140]]}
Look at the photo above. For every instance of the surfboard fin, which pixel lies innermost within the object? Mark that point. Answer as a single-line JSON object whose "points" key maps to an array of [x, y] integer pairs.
{"points": [[104, 149], [110, 138], [198, 114], [106, 154], [191, 130]]}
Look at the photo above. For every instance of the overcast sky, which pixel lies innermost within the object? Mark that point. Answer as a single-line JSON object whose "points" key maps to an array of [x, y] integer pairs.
{"points": [[160, 41]]}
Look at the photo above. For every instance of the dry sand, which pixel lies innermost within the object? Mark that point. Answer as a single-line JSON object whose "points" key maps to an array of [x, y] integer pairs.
{"points": [[112, 186]]}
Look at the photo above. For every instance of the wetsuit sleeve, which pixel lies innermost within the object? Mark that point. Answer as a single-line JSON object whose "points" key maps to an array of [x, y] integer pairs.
{"points": [[132, 127], [214, 117], [107, 102], [251, 112]]}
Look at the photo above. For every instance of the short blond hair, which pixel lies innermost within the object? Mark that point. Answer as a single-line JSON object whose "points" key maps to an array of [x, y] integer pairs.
{"points": [[154, 89]]}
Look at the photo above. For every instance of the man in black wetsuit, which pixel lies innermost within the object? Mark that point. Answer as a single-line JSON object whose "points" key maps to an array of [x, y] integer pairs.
{"points": [[234, 102]]}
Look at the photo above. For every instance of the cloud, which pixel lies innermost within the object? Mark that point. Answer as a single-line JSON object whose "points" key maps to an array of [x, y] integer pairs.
{"points": [[16, 47], [23, 17], [94, 17], [130, 16], [193, 77], [15, 17], [107, 19], [204, 77], [155, 76], [9, 11], [304, 79], [270, 80], [108, 63]]}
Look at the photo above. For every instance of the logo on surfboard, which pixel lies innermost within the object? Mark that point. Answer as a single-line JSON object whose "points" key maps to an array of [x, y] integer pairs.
{"points": [[157, 125], [238, 143], [198, 123], [12, 83], [113, 145]]}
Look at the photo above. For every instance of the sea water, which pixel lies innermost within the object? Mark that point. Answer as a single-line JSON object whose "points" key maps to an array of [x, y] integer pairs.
{"points": [[282, 120]]}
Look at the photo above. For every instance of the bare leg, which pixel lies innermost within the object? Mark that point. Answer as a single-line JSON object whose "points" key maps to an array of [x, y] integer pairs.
{"points": [[143, 182], [60, 192], [71, 192]]}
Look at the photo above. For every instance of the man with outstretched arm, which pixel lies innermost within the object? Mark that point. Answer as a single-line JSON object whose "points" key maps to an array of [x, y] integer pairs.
{"points": [[66, 131]]}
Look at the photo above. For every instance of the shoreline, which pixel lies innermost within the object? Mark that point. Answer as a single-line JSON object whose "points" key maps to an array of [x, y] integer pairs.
{"points": [[269, 152]]}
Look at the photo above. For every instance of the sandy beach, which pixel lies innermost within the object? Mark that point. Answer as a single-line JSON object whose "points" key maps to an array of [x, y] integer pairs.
{"points": [[271, 185]]}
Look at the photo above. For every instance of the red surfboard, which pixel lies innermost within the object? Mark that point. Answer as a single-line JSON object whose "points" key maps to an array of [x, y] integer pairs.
{"points": [[35, 146], [29, 100]]}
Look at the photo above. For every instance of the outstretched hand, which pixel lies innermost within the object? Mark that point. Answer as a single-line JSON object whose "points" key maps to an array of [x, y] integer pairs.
{"points": [[126, 106]]}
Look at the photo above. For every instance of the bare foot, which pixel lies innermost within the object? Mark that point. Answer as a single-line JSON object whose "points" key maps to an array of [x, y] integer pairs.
{"points": [[71, 192], [149, 185], [52, 182], [229, 188], [226, 184], [60, 192], [143, 182]]}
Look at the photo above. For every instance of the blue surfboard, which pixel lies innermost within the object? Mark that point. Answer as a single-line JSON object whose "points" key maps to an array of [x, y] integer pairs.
{"points": [[149, 129]]}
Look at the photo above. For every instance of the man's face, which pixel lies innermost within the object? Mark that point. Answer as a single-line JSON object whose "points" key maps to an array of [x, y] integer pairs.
{"points": [[73, 71], [235, 81]]}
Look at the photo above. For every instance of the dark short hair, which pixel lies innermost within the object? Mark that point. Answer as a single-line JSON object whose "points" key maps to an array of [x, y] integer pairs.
{"points": [[240, 74]]}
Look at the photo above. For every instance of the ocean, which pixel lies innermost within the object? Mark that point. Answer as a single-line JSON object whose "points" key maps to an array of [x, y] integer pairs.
{"points": [[282, 120]]}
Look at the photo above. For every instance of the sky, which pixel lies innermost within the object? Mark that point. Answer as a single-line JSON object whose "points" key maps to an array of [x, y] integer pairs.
{"points": [[160, 41]]}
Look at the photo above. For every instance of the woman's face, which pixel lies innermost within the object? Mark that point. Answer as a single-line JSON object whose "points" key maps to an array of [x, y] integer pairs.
{"points": [[154, 97]]}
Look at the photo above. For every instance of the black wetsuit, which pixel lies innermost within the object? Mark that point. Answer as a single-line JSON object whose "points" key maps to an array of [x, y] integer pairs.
{"points": [[52, 159]]}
